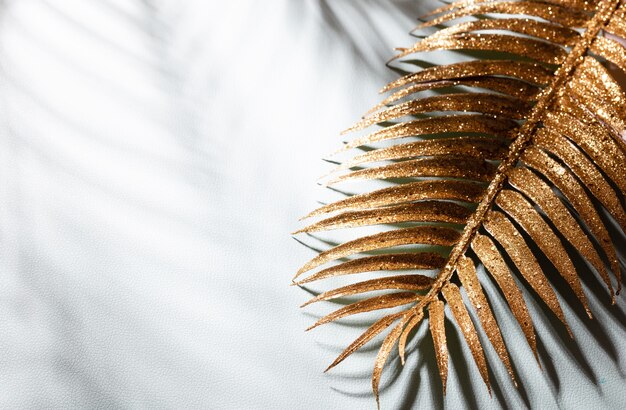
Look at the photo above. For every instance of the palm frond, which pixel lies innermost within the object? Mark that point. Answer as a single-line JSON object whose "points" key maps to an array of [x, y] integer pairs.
{"points": [[524, 151]]}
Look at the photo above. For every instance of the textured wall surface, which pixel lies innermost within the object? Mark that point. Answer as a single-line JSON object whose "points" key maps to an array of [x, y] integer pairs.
{"points": [[154, 157]]}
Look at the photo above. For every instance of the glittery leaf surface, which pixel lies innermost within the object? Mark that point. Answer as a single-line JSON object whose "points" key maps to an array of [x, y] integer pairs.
{"points": [[513, 162]]}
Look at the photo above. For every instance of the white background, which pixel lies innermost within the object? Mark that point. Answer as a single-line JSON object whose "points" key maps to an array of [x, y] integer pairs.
{"points": [[154, 158]]}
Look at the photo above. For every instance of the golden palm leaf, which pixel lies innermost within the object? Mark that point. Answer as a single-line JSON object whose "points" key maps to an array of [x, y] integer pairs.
{"points": [[526, 152]]}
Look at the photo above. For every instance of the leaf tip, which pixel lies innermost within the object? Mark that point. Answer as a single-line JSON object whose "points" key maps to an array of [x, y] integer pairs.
{"points": [[338, 360], [308, 302], [348, 130], [312, 327], [344, 148], [300, 272]]}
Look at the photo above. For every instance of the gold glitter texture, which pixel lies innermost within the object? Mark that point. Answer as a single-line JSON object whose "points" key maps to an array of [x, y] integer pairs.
{"points": [[367, 305], [412, 324], [513, 146], [509, 86], [425, 211], [567, 152], [582, 5], [522, 70], [565, 16], [369, 334], [596, 142], [490, 256], [452, 166], [427, 235], [540, 193], [438, 331], [469, 279], [514, 204], [402, 282], [575, 193], [474, 123], [479, 147], [550, 32], [383, 354], [414, 191], [389, 262], [490, 104], [453, 296], [503, 231], [538, 50]]}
